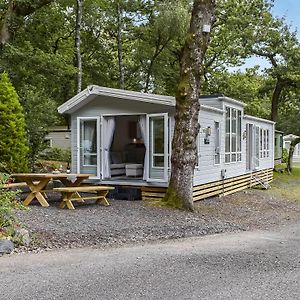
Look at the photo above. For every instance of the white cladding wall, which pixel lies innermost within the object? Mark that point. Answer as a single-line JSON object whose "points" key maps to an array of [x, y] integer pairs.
{"points": [[59, 139], [110, 106], [206, 170], [266, 162]]}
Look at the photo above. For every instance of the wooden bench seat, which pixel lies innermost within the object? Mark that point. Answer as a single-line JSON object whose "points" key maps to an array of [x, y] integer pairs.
{"points": [[14, 185], [70, 194]]}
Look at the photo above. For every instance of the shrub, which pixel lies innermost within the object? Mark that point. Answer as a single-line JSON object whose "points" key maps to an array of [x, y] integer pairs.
{"points": [[10, 228], [40, 108], [8, 203], [285, 155], [13, 141], [56, 154]]}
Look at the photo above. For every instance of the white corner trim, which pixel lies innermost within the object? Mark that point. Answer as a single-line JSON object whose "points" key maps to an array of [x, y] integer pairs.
{"points": [[258, 119], [231, 100], [214, 109]]}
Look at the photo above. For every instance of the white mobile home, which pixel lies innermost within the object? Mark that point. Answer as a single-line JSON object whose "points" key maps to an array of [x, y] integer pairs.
{"points": [[287, 139], [124, 138]]}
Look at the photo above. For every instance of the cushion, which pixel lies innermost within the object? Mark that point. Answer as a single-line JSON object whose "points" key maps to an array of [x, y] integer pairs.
{"points": [[116, 157], [134, 166], [117, 166]]}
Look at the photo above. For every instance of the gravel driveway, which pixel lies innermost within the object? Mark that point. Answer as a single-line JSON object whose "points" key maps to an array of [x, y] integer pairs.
{"points": [[139, 221]]}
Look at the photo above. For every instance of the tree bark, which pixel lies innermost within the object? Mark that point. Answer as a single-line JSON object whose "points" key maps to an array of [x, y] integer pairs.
{"points": [[120, 47], [77, 44], [289, 164], [184, 150], [275, 99], [18, 9]]}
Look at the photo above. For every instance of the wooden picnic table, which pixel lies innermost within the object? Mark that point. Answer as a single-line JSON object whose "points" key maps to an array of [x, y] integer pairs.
{"points": [[70, 194], [38, 181]]}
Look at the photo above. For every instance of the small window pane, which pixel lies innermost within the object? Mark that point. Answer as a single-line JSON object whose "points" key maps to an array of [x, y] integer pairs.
{"points": [[227, 120], [233, 143], [227, 158], [239, 131], [227, 143], [158, 132], [158, 161]]}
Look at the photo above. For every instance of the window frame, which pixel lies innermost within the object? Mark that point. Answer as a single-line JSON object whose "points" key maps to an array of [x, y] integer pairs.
{"points": [[234, 132], [217, 154]]}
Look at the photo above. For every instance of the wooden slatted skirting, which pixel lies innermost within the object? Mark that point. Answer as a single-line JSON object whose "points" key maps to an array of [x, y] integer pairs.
{"points": [[220, 187]]}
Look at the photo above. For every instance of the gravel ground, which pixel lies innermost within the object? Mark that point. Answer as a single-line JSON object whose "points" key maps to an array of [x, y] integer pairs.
{"points": [[139, 221]]}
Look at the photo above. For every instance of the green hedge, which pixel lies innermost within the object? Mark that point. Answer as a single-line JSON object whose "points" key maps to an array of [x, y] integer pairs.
{"points": [[13, 139]]}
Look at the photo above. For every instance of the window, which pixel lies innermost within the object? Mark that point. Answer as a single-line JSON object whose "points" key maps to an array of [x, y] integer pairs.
{"points": [[233, 131], [157, 126], [257, 146], [198, 150], [217, 143], [261, 144], [264, 143]]}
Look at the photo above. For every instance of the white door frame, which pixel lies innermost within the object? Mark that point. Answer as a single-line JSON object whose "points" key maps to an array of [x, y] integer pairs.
{"points": [[166, 146], [254, 161], [98, 176]]}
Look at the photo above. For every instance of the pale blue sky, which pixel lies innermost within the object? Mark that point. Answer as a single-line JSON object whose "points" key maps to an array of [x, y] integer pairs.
{"points": [[290, 10]]}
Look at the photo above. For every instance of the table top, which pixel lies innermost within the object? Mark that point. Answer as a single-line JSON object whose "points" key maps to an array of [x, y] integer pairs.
{"points": [[51, 175]]}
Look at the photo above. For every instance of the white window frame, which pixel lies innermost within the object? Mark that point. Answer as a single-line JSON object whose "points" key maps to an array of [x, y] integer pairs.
{"points": [[97, 119], [236, 153], [217, 152], [264, 143], [151, 152]]}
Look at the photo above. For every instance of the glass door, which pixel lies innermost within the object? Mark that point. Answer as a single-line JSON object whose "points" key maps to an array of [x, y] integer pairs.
{"points": [[252, 147], [88, 146], [158, 145]]}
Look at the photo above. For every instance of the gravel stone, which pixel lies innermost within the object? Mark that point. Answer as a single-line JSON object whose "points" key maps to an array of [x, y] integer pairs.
{"points": [[91, 225], [6, 247]]}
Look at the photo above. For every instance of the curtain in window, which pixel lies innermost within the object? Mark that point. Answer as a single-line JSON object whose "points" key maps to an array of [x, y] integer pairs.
{"points": [[142, 125], [109, 125]]}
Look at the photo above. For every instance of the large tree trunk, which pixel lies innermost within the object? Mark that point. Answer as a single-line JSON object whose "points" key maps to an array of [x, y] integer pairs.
{"points": [[184, 149], [17, 9], [289, 164], [275, 99], [77, 44], [120, 47]]}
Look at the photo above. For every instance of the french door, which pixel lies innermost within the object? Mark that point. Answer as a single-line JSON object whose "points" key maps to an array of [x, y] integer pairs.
{"points": [[88, 146], [252, 146], [158, 146]]}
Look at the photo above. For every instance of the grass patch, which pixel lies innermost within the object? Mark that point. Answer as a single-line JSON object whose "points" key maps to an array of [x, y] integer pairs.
{"points": [[287, 186], [287, 177]]}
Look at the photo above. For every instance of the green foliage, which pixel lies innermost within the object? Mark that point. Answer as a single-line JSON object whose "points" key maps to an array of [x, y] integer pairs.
{"points": [[285, 155], [40, 55], [7, 204], [287, 185], [56, 154], [9, 225], [42, 110], [13, 143]]}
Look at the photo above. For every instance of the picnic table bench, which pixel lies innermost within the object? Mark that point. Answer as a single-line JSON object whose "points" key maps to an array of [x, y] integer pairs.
{"points": [[38, 181], [70, 194], [14, 185]]}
